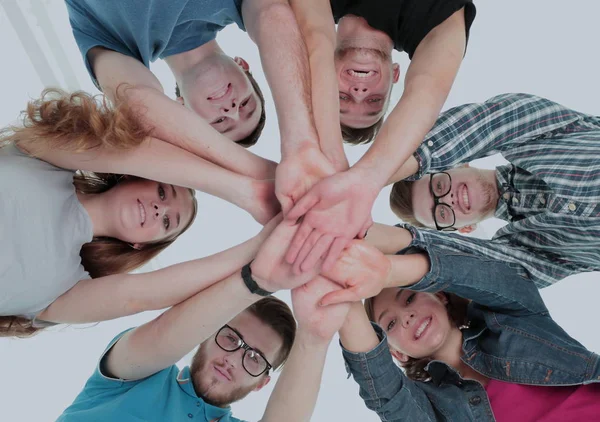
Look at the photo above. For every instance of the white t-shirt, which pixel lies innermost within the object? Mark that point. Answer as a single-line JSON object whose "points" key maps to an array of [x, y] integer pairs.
{"points": [[42, 228]]}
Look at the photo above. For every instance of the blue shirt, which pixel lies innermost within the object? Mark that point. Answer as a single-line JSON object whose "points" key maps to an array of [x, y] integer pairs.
{"points": [[148, 30], [168, 395]]}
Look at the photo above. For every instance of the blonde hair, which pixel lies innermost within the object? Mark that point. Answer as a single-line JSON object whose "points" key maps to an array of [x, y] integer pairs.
{"points": [[401, 202], [80, 122]]}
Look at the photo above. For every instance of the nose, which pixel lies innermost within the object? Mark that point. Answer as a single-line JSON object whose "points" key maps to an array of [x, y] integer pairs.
{"points": [[231, 109], [407, 319], [359, 91], [158, 210], [232, 358]]}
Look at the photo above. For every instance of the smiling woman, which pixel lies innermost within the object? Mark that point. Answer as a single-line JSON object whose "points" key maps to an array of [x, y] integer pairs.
{"points": [[93, 224]]}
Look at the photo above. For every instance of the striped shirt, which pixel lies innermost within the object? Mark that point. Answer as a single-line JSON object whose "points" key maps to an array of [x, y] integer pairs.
{"points": [[549, 194]]}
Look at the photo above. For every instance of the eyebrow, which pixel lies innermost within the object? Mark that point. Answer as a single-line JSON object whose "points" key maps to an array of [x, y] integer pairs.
{"points": [[174, 197], [386, 311]]}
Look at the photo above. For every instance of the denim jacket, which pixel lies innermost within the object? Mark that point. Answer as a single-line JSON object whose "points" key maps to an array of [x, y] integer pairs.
{"points": [[511, 338]]}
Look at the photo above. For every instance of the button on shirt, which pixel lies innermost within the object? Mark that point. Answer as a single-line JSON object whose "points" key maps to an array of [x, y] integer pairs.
{"points": [[550, 192], [168, 395]]}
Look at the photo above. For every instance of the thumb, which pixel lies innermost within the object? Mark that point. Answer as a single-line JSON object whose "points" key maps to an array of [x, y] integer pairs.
{"points": [[286, 203], [365, 228], [339, 296]]}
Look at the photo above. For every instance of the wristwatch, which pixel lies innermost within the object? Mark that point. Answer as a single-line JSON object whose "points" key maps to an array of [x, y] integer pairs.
{"points": [[250, 283]]}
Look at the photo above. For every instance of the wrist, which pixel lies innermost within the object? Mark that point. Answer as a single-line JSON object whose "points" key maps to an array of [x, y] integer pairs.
{"points": [[255, 285], [368, 178], [308, 339]]}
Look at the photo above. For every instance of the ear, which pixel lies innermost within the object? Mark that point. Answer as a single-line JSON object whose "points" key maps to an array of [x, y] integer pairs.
{"points": [[401, 357], [467, 229], [396, 72], [180, 100], [262, 383], [242, 63]]}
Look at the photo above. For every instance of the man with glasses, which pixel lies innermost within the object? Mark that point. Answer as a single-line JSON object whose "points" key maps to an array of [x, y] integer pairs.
{"points": [[549, 192], [242, 336]]}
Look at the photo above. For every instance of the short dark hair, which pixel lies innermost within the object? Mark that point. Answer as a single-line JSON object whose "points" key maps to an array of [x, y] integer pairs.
{"points": [[251, 139], [401, 202], [277, 315], [358, 136], [457, 312]]}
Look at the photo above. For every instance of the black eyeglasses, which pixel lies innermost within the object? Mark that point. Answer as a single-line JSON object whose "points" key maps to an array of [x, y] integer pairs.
{"points": [[253, 361], [440, 185]]}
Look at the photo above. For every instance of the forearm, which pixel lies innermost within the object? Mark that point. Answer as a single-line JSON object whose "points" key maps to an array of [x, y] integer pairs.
{"points": [[357, 334], [407, 270], [124, 78], [155, 160], [273, 27], [317, 26], [165, 340], [121, 295], [388, 239], [402, 133], [180, 126], [295, 394]]}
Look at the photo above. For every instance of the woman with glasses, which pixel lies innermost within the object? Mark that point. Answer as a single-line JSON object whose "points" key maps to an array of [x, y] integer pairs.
{"points": [[472, 335]]}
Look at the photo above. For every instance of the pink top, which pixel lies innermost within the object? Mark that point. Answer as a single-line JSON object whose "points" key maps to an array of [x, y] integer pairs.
{"points": [[516, 402]]}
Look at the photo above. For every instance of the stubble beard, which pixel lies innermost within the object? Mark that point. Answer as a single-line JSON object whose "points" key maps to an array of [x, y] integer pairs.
{"points": [[490, 196], [204, 382]]}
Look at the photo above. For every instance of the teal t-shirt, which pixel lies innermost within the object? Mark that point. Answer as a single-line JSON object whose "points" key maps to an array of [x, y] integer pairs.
{"points": [[168, 395], [148, 30]]}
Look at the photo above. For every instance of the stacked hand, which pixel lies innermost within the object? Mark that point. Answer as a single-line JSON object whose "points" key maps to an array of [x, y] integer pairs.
{"points": [[322, 322], [335, 210]]}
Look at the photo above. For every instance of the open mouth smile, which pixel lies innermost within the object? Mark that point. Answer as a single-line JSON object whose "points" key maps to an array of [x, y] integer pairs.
{"points": [[463, 199], [422, 328], [142, 213]]}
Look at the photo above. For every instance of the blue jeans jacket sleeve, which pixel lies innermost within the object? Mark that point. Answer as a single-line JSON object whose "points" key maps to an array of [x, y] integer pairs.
{"points": [[470, 131], [384, 387], [488, 282]]}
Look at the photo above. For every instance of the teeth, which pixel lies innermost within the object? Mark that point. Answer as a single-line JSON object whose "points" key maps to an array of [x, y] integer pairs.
{"points": [[422, 328], [142, 212], [466, 199], [360, 73]]}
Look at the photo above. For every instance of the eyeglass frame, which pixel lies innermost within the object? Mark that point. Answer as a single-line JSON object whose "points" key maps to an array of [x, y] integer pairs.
{"points": [[246, 347], [437, 202]]}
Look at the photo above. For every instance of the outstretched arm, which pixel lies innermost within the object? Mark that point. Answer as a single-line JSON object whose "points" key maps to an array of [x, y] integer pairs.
{"points": [[427, 83], [316, 23], [163, 341], [164, 162], [295, 394], [125, 78], [119, 295], [273, 27]]}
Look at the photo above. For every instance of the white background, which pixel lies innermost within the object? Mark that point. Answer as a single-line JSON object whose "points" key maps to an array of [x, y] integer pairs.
{"points": [[548, 48]]}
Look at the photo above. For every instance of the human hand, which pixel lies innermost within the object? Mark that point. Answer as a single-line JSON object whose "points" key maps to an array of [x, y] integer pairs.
{"points": [[322, 322], [269, 268], [297, 173], [362, 270], [335, 211]]}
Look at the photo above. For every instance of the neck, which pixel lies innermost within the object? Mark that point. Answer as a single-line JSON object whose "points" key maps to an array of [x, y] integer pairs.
{"points": [[450, 354], [183, 63], [95, 205], [355, 32]]}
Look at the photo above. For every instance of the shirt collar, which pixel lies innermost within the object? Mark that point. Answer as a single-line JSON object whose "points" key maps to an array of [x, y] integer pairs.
{"points": [[184, 380], [505, 190]]}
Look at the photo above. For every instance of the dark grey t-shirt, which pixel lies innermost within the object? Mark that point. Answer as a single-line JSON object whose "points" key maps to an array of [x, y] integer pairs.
{"points": [[42, 226]]}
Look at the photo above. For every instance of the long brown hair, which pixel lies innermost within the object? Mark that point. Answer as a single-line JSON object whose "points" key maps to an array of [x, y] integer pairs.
{"points": [[81, 122], [457, 312]]}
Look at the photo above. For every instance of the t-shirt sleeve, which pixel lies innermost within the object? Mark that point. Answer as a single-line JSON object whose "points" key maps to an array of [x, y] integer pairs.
{"points": [[439, 12], [99, 381]]}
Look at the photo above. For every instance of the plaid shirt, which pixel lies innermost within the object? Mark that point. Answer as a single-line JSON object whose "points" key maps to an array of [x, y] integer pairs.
{"points": [[550, 193]]}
